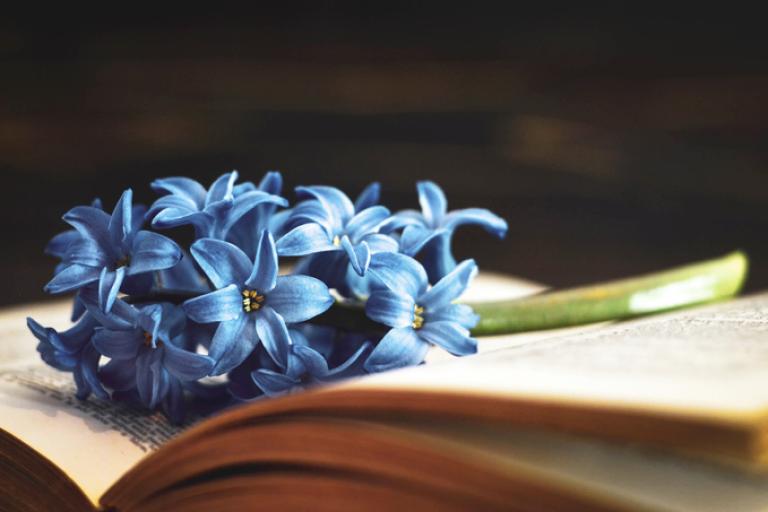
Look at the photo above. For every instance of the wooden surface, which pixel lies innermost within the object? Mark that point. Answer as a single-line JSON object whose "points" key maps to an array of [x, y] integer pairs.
{"points": [[613, 143]]}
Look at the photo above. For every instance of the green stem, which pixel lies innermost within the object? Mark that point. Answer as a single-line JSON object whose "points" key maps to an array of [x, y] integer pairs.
{"points": [[697, 283]]}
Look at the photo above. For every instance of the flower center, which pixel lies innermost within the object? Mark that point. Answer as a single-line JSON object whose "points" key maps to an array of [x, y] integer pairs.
{"points": [[418, 316], [123, 262], [148, 341], [336, 241], [252, 301]]}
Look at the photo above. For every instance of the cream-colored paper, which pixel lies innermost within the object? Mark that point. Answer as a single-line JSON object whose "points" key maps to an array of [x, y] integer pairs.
{"points": [[94, 441], [711, 360]]}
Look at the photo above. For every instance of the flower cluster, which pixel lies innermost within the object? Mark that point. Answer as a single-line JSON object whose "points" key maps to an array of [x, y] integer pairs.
{"points": [[161, 325]]}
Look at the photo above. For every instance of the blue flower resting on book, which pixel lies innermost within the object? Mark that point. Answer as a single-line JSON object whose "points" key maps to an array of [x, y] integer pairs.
{"points": [[157, 322]]}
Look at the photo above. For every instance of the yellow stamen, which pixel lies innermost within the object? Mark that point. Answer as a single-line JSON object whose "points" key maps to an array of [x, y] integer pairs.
{"points": [[336, 241], [252, 300], [418, 316]]}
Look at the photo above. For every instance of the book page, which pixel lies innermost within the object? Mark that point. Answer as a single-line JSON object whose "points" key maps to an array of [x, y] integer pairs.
{"points": [[711, 360], [621, 473], [93, 441], [96, 441]]}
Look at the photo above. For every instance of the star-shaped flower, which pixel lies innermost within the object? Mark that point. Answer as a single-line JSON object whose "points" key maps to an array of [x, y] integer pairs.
{"points": [[148, 354], [251, 301], [110, 248], [428, 233], [419, 316], [72, 351], [336, 232]]}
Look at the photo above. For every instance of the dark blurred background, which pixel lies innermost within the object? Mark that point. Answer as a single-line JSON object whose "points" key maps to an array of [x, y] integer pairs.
{"points": [[613, 142]]}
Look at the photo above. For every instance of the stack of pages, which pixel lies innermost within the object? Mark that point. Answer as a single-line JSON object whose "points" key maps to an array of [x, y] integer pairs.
{"points": [[664, 413]]}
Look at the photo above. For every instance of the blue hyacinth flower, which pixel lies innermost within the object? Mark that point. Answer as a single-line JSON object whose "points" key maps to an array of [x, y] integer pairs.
{"points": [[213, 212], [418, 315], [336, 235], [251, 301], [151, 356], [317, 355], [245, 233], [427, 234], [72, 351], [110, 248]]}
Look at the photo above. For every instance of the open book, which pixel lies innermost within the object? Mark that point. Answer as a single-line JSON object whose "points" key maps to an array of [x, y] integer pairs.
{"points": [[663, 413]]}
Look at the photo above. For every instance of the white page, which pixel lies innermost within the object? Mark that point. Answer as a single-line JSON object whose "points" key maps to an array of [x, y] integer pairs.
{"points": [[93, 441], [711, 360]]}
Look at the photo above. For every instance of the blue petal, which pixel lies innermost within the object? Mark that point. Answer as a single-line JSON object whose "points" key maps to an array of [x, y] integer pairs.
{"points": [[312, 211], [365, 222], [182, 187], [57, 246], [264, 274], [174, 405], [381, 243], [86, 374], [353, 365], [180, 205], [298, 298], [272, 383], [118, 344], [223, 262], [368, 197], [121, 221], [172, 217], [185, 365], [119, 375], [437, 258], [273, 334], [432, 201], [336, 201], [450, 287], [78, 308], [402, 219], [450, 336], [184, 204], [138, 213], [399, 273], [232, 343], [305, 239], [272, 183], [478, 216], [86, 251], [398, 348], [414, 238], [247, 202], [359, 255], [221, 189], [459, 313], [221, 305], [90, 223], [77, 336], [122, 316], [152, 381], [330, 267], [243, 188], [390, 308], [314, 362], [277, 222], [152, 251], [109, 286], [182, 277], [72, 277]]}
